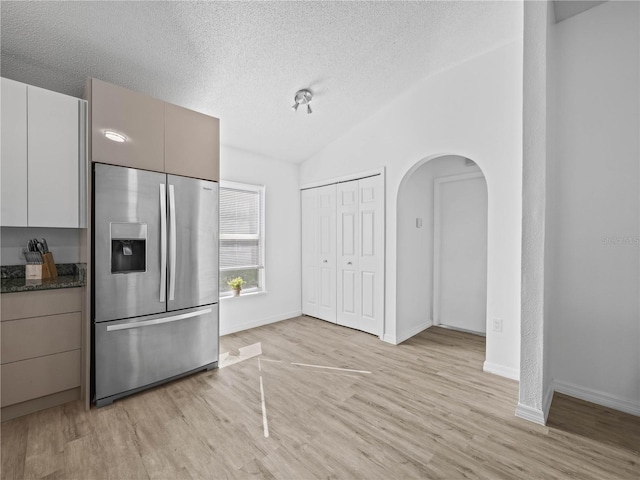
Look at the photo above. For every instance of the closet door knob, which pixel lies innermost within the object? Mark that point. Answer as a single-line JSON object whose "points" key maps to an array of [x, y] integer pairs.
{"points": [[324, 261]]}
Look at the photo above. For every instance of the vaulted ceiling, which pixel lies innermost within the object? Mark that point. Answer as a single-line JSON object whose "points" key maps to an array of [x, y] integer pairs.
{"points": [[244, 61]]}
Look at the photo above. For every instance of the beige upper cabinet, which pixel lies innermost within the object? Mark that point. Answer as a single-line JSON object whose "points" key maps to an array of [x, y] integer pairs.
{"points": [[158, 136], [191, 143], [43, 157], [140, 119]]}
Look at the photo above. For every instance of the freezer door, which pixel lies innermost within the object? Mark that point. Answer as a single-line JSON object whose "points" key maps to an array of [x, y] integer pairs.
{"points": [[193, 242], [140, 352], [130, 273]]}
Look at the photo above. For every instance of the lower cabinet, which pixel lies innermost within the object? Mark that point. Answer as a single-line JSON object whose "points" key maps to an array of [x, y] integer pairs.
{"points": [[41, 361]]}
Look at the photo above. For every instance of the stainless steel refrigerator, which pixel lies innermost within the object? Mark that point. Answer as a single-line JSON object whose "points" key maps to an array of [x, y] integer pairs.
{"points": [[155, 279]]}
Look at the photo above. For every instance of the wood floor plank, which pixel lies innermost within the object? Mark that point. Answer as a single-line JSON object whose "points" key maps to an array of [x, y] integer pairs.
{"points": [[426, 410]]}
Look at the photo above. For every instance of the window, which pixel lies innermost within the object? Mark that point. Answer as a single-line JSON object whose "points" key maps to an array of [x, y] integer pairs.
{"points": [[241, 236]]}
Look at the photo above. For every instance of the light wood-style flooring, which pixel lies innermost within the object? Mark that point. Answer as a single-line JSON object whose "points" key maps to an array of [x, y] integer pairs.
{"points": [[426, 411]]}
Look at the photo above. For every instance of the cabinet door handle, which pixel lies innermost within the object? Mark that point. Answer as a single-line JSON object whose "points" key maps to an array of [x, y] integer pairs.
{"points": [[324, 261], [348, 263]]}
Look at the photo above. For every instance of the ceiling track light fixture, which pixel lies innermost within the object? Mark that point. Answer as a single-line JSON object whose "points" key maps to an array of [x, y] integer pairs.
{"points": [[302, 97]]}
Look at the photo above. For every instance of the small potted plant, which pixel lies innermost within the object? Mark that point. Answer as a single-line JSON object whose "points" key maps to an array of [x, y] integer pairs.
{"points": [[236, 285]]}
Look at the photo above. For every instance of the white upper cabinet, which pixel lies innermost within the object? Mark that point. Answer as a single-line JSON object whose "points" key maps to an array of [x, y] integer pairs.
{"points": [[13, 170], [49, 156]]}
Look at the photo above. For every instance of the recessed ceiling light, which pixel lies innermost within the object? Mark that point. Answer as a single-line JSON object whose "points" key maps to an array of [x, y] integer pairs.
{"points": [[115, 136]]}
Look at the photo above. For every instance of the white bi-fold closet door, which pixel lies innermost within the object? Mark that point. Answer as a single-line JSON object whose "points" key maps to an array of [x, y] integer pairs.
{"points": [[343, 253], [319, 252]]}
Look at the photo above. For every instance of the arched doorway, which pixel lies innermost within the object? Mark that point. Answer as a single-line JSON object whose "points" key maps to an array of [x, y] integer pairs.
{"points": [[442, 246]]}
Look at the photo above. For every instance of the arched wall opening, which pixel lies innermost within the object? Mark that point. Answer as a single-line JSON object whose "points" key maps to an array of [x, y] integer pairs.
{"points": [[442, 224]]}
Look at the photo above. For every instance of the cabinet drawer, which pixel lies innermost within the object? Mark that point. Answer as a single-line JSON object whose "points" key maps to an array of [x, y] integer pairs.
{"points": [[28, 379], [41, 303], [39, 336]]}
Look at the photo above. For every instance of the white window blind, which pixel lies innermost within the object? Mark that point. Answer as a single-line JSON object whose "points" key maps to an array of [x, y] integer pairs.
{"points": [[241, 226]]}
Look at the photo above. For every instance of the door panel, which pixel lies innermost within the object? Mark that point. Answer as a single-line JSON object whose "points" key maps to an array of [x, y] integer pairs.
{"points": [[311, 291], [348, 283], [326, 259], [368, 233], [309, 225], [462, 230], [327, 283], [371, 261], [194, 273], [127, 196], [348, 234], [368, 295], [361, 261], [349, 295]]}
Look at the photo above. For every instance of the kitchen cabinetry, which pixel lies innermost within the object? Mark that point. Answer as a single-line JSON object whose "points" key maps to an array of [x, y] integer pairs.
{"points": [[14, 153], [343, 253], [158, 136], [138, 117], [40, 362], [43, 157], [191, 143]]}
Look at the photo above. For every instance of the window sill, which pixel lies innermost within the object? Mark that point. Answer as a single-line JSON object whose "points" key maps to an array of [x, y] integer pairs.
{"points": [[248, 294]]}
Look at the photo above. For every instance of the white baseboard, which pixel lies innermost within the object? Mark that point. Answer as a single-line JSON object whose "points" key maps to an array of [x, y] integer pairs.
{"points": [[389, 339], [599, 398], [414, 331], [259, 323], [501, 370], [534, 415]]}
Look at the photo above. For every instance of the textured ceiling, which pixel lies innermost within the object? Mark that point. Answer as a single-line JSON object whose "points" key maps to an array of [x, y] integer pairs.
{"points": [[244, 61]]}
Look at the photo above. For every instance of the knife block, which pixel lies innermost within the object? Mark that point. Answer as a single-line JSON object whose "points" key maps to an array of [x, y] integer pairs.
{"points": [[50, 264], [43, 270]]}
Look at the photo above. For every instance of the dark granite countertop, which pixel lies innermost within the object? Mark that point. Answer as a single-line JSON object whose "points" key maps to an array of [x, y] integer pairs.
{"points": [[70, 275]]}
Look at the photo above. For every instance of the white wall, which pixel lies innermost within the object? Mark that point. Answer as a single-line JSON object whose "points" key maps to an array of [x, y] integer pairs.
{"points": [[473, 110], [594, 283], [64, 243], [415, 245], [533, 400], [282, 243]]}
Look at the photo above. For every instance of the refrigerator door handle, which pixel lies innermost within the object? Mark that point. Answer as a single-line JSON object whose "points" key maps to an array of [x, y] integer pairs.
{"points": [[172, 252], [163, 243], [157, 321]]}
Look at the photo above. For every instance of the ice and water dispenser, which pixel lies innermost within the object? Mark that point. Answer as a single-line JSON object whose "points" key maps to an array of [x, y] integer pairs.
{"points": [[128, 247]]}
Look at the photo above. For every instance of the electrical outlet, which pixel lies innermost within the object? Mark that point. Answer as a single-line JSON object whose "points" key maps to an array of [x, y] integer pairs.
{"points": [[496, 324]]}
